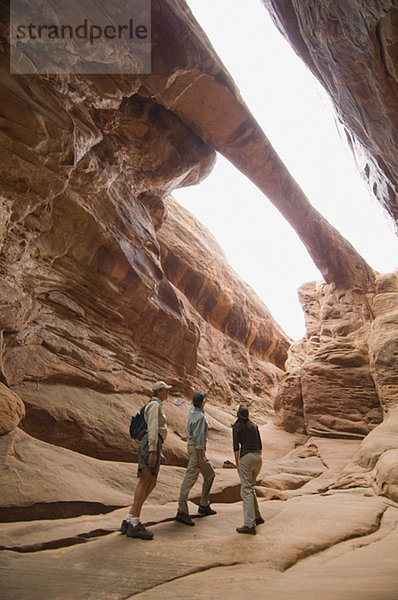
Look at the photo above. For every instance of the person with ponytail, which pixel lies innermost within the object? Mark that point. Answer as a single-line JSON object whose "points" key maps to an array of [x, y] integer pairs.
{"points": [[247, 449]]}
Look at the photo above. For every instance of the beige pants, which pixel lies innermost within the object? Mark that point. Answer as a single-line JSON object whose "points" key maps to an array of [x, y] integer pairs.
{"points": [[249, 468], [191, 476]]}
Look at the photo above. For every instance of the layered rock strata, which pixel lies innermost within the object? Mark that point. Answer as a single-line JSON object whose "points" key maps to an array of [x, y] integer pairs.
{"points": [[98, 289], [352, 50], [341, 378], [101, 290], [106, 284], [348, 360]]}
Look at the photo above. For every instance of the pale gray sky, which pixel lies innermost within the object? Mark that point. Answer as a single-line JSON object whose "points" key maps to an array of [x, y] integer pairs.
{"points": [[297, 117]]}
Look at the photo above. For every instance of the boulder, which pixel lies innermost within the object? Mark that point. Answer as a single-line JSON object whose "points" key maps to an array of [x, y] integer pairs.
{"points": [[12, 410], [387, 474]]}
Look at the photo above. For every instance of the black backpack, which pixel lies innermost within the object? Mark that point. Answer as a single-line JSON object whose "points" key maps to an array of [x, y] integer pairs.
{"points": [[138, 424]]}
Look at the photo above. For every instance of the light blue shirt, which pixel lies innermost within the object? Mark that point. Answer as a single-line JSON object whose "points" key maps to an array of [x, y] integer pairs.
{"points": [[197, 428]]}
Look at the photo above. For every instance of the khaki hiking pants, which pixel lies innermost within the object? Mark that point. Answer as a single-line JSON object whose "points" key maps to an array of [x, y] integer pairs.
{"points": [[191, 476], [249, 468]]}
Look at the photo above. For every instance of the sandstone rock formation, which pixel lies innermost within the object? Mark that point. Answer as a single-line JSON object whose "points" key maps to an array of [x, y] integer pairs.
{"points": [[88, 300], [106, 284], [349, 356], [197, 79], [352, 50], [344, 539], [349, 360], [12, 410]]}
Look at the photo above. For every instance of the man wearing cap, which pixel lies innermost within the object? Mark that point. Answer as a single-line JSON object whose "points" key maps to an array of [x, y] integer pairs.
{"points": [[197, 432], [149, 459]]}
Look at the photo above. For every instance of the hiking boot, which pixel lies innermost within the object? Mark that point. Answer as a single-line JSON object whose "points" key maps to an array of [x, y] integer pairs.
{"points": [[206, 510], [259, 521], [124, 526], [184, 518], [246, 529], [139, 531]]}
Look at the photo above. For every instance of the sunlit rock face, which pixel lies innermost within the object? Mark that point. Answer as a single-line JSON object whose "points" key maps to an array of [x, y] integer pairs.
{"points": [[352, 49]]}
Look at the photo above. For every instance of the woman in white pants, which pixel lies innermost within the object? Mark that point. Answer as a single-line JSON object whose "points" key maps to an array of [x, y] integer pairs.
{"points": [[247, 449]]}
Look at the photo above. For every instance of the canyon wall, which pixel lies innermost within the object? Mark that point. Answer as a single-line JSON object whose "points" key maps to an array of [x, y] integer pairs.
{"points": [[107, 284], [341, 379], [351, 47]]}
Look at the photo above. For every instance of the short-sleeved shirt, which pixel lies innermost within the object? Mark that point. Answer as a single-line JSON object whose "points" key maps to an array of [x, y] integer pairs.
{"points": [[156, 423], [245, 434]]}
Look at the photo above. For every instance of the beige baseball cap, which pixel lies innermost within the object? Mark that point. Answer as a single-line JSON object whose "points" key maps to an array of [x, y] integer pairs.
{"points": [[159, 385]]}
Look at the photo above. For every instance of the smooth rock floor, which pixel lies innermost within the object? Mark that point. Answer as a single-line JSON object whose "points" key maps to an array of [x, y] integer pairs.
{"points": [[337, 546]]}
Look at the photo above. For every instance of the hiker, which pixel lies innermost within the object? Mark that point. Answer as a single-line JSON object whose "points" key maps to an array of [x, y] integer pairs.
{"points": [[197, 432], [149, 459], [248, 462]]}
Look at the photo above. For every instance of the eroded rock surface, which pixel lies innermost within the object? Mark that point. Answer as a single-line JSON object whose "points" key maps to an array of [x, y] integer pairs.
{"points": [[341, 379], [107, 285], [331, 531], [12, 409], [352, 50], [332, 363], [91, 296]]}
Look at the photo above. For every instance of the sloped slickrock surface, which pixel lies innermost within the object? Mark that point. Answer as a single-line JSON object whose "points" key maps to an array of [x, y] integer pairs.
{"points": [[343, 537], [380, 440], [290, 535], [352, 570], [352, 50], [386, 474], [375, 463], [40, 481]]}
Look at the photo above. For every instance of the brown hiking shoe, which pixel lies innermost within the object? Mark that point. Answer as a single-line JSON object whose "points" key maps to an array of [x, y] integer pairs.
{"points": [[184, 518], [246, 529], [139, 531], [259, 521]]}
